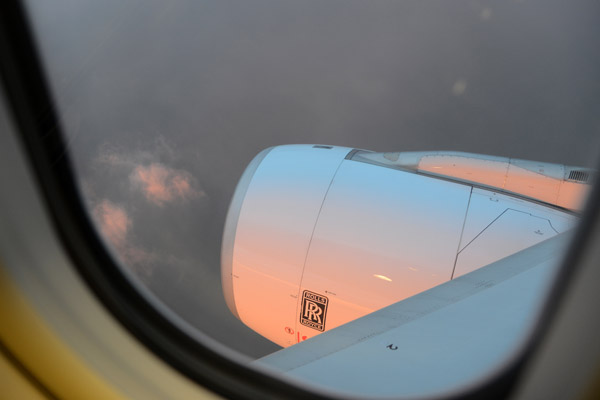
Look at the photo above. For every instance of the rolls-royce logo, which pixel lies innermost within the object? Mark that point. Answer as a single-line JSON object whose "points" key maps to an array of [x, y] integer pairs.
{"points": [[314, 310]]}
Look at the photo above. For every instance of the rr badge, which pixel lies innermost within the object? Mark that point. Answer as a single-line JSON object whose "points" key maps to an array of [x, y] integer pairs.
{"points": [[314, 310]]}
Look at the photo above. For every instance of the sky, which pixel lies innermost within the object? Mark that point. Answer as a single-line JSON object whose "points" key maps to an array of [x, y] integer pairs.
{"points": [[164, 103]]}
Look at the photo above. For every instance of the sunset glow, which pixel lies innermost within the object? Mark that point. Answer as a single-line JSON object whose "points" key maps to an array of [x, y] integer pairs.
{"points": [[382, 277]]}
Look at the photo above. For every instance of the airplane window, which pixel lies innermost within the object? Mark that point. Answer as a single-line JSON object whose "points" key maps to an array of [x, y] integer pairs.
{"points": [[273, 171]]}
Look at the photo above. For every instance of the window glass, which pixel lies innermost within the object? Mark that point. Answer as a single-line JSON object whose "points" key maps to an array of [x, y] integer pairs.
{"points": [[164, 105]]}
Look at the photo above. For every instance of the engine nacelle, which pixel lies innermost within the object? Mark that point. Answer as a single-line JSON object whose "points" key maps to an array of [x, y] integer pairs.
{"points": [[316, 237]]}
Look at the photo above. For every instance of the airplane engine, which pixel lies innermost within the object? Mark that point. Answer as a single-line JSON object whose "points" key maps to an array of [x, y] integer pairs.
{"points": [[317, 236]]}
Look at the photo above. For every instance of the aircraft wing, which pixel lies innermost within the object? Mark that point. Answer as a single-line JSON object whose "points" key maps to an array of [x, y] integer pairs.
{"points": [[438, 340]]}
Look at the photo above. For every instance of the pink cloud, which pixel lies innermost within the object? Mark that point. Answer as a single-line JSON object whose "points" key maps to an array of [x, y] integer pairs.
{"points": [[161, 184], [113, 222], [114, 225]]}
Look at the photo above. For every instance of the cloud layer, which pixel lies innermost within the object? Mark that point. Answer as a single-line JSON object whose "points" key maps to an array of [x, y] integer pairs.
{"points": [[142, 206]]}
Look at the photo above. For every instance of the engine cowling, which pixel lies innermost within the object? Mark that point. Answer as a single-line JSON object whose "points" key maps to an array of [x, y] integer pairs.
{"points": [[315, 237]]}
